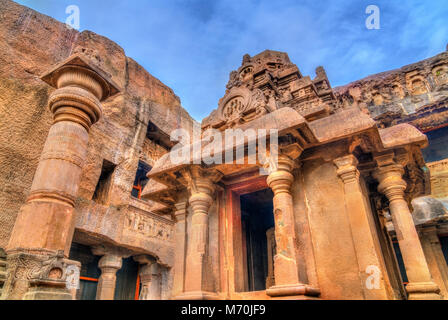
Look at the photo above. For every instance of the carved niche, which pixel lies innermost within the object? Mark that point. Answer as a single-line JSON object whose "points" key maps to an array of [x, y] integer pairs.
{"points": [[397, 91], [440, 74], [416, 83], [239, 105]]}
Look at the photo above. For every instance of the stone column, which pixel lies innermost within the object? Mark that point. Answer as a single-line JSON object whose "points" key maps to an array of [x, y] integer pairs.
{"points": [[180, 248], [363, 239], [435, 258], [286, 274], [391, 183], [109, 265], [150, 278], [201, 188], [45, 223]]}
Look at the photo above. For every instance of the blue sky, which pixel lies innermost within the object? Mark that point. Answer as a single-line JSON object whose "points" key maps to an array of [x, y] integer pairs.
{"points": [[192, 45]]}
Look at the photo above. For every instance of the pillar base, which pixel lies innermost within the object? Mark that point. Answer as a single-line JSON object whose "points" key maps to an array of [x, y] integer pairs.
{"points": [[423, 291], [197, 295], [48, 290], [293, 291]]}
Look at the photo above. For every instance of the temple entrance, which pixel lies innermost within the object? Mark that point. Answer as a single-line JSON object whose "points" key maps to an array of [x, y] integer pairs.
{"points": [[257, 222]]}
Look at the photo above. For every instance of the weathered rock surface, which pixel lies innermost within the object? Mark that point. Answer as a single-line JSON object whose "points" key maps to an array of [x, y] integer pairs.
{"points": [[416, 94], [428, 209]]}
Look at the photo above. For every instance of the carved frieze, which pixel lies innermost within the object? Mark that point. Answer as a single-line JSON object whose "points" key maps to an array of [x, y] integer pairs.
{"points": [[149, 225]]}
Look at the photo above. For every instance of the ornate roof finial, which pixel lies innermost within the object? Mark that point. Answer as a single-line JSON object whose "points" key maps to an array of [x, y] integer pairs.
{"points": [[246, 58]]}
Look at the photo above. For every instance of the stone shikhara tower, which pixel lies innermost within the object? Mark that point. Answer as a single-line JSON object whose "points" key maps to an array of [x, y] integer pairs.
{"points": [[343, 212], [331, 162]]}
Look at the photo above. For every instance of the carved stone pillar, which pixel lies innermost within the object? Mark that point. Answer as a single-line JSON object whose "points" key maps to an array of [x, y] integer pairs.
{"points": [[201, 188], [391, 183], [180, 248], [286, 274], [270, 238], [361, 229], [109, 265], [150, 278], [45, 222], [435, 258]]}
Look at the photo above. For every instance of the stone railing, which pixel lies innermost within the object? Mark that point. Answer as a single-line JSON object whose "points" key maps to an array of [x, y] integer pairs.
{"points": [[131, 226]]}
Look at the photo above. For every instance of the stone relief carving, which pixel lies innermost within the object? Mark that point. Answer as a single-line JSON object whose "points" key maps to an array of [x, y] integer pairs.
{"points": [[266, 82], [148, 226]]}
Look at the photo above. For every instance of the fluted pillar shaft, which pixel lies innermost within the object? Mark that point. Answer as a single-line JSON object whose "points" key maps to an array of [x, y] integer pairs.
{"points": [[286, 274], [109, 265], [195, 268], [391, 183], [285, 260]]}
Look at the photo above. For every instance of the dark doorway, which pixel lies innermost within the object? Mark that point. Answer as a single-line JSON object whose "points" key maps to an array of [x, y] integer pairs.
{"points": [[90, 273], [126, 280], [257, 225], [141, 179]]}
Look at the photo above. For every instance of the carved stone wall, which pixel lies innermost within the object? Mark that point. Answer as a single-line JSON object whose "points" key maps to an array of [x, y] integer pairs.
{"points": [[416, 94], [120, 137]]}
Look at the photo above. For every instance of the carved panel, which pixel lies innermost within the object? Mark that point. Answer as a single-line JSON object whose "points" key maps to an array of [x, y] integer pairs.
{"points": [[149, 225]]}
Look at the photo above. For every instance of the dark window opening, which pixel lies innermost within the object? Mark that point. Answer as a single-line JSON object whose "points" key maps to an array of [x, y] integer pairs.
{"points": [[258, 231], [159, 137], [127, 277], [140, 179], [400, 261], [438, 145], [90, 273], [102, 189], [444, 244]]}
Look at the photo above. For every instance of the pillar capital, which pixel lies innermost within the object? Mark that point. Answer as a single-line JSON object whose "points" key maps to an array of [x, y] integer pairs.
{"points": [[110, 262], [391, 182], [81, 87], [281, 178], [201, 186], [347, 168]]}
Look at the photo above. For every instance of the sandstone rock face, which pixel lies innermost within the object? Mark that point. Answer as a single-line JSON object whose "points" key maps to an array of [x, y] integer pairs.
{"points": [[427, 210], [31, 44]]}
